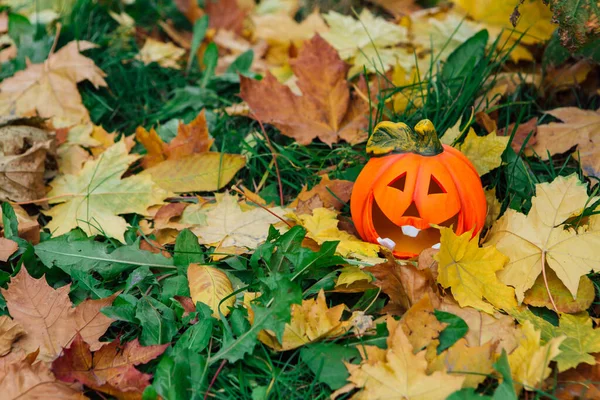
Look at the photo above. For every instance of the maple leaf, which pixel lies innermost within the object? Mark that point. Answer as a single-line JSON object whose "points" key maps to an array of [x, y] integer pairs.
{"points": [[579, 383], [229, 226], [311, 321], [397, 373], [420, 324], [26, 379], [537, 295], [485, 152], [110, 369], [470, 272], [191, 138], [350, 275], [226, 14], [366, 42], [48, 317], [210, 286], [51, 88], [326, 108], [579, 128], [167, 55], [92, 199], [7, 248], [529, 362], [322, 227], [398, 8], [474, 363], [9, 332], [538, 240], [493, 207], [328, 193]]}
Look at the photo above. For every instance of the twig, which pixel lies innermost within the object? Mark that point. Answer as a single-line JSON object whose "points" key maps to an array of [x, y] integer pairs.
{"points": [[270, 145], [546, 281], [212, 382]]}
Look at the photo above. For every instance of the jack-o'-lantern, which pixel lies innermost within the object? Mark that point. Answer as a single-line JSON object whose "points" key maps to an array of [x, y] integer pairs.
{"points": [[414, 181]]}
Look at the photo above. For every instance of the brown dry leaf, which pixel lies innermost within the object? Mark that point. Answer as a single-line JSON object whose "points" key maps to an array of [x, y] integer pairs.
{"points": [[7, 248], [210, 286], [50, 88], [326, 109], [27, 380], [327, 193], [231, 46], [403, 283], [493, 207], [420, 324], [311, 321], [3, 22], [9, 332], [167, 55], [111, 369], [398, 8], [578, 383], [225, 14], [26, 155], [580, 128], [190, 9], [566, 77], [165, 224], [537, 295], [49, 318], [523, 131]]}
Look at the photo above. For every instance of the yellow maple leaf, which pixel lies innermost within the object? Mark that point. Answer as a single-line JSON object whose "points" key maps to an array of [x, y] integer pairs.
{"points": [[485, 152], [493, 206], [50, 88], [470, 272], [367, 42], [311, 321], [351, 274], [92, 198], [210, 286], [529, 362], [538, 240], [227, 225], [474, 363], [322, 227], [167, 55], [420, 324], [397, 373]]}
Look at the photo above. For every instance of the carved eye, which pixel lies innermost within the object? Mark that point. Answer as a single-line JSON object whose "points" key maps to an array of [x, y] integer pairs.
{"points": [[435, 187], [398, 183]]}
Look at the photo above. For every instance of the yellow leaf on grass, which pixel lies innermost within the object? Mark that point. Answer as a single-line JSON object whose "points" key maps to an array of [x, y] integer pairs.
{"points": [[452, 134], [228, 226], [167, 55], [470, 272], [210, 286], [202, 172], [485, 152], [529, 362], [351, 274], [50, 88], [93, 198], [538, 240], [311, 321], [397, 373], [322, 227]]}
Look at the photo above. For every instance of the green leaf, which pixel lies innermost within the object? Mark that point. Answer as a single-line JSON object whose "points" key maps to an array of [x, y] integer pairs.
{"points": [[141, 277], [122, 309], [9, 221], [174, 286], [456, 329], [86, 282], [463, 60], [211, 56], [181, 375], [326, 361], [577, 21], [506, 389], [199, 32], [157, 321], [197, 337], [467, 394], [187, 251], [65, 253]]}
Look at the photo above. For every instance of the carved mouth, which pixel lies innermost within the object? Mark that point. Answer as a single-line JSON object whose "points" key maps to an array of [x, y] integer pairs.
{"points": [[407, 238]]}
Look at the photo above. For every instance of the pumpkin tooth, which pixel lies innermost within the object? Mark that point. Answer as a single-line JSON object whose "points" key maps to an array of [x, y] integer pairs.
{"points": [[387, 242], [410, 230], [436, 246]]}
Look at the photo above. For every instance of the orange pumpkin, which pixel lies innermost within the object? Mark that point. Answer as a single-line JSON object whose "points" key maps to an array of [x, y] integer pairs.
{"points": [[398, 196]]}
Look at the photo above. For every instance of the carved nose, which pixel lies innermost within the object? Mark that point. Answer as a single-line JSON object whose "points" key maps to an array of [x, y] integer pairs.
{"points": [[412, 211]]}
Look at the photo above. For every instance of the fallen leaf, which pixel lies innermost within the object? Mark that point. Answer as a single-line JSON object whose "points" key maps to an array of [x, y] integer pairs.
{"points": [[564, 78], [581, 340], [579, 128], [327, 193], [398, 8], [578, 383], [48, 316], [311, 321], [210, 286], [28, 226], [322, 226], [105, 140], [7, 248], [25, 149], [25, 379], [524, 130], [420, 324], [493, 207], [225, 14], [350, 275], [167, 55], [110, 369], [397, 373], [229, 226], [93, 198], [190, 9], [537, 295], [470, 272], [202, 172], [50, 88], [9, 332], [538, 240], [367, 42], [166, 223], [326, 108], [529, 362], [474, 363], [485, 152]]}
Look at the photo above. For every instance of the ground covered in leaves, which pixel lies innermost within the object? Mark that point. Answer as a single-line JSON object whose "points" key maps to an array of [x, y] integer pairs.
{"points": [[175, 179]]}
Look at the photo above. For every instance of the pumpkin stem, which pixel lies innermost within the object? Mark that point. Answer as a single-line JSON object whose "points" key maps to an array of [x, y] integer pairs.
{"points": [[397, 137]]}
